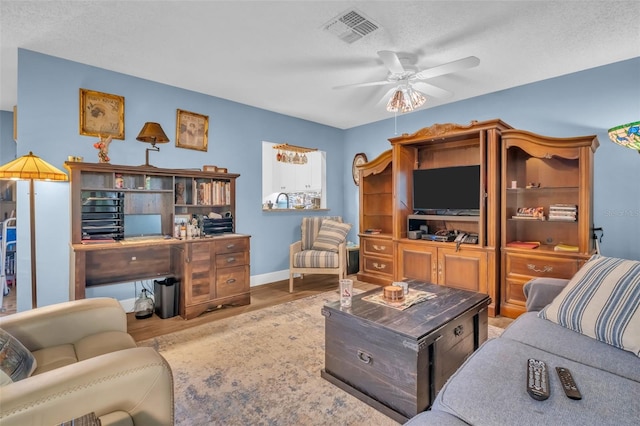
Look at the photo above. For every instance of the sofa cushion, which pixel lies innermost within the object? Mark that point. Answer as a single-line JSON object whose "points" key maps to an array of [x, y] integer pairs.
{"points": [[331, 235], [602, 301], [55, 357], [103, 343], [550, 337], [88, 347], [16, 362], [315, 259], [490, 389]]}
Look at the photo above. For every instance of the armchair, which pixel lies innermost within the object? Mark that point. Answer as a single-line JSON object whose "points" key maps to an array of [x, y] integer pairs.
{"points": [[321, 250], [86, 362]]}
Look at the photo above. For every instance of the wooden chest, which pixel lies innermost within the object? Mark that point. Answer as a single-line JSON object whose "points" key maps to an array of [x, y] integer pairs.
{"points": [[397, 361]]}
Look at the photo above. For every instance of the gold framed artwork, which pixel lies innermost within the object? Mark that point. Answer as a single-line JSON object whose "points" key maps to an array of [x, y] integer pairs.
{"points": [[192, 130], [101, 114]]}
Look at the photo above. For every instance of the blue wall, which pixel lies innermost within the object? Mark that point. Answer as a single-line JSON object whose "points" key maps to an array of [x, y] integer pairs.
{"points": [[587, 102], [7, 144], [48, 124]]}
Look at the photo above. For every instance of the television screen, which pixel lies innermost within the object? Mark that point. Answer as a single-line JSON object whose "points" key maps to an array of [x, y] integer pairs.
{"points": [[447, 190]]}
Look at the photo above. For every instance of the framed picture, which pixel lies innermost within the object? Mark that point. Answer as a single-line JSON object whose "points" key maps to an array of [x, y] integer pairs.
{"points": [[101, 114], [192, 130]]}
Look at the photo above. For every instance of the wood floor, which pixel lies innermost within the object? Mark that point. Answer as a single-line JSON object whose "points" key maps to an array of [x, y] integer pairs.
{"points": [[261, 297]]}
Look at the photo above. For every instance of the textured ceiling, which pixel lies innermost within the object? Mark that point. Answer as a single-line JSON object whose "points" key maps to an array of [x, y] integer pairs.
{"points": [[275, 54]]}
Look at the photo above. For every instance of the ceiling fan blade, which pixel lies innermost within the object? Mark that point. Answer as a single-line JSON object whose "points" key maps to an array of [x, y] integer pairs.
{"points": [[431, 90], [385, 99], [371, 83], [448, 68], [391, 61]]}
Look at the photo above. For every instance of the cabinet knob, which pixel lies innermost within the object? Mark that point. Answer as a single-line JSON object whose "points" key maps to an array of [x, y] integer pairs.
{"points": [[231, 280], [231, 259]]}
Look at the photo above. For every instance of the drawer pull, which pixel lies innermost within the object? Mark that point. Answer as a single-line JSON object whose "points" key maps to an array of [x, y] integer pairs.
{"points": [[230, 246], [534, 268], [379, 248], [364, 357], [458, 330], [379, 265], [231, 259], [231, 280]]}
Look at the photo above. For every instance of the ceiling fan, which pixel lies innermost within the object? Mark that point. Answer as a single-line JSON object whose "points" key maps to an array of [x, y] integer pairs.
{"points": [[410, 88]]}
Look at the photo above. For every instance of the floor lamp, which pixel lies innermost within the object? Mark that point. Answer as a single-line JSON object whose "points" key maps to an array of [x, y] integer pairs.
{"points": [[30, 167]]}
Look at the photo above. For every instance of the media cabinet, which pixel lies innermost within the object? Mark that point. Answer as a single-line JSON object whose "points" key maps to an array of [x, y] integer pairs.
{"points": [[563, 169]]}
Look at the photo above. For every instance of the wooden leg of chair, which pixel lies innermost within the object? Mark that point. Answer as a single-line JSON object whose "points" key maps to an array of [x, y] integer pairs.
{"points": [[290, 282]]}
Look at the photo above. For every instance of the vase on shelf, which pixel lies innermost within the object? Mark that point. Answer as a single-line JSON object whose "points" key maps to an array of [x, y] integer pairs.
{"points": [[103, 149]]}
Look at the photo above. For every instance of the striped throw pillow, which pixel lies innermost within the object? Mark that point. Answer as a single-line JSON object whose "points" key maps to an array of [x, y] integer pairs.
{"points": [[331, 234], [16, 362], [602, 301]]}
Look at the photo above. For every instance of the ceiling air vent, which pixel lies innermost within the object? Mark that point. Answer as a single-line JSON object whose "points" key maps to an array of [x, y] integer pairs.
{"points": [[350, 26]]}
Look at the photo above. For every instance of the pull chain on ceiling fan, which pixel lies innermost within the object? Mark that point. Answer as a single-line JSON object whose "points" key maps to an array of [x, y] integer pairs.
{"points": [[411, 89]]}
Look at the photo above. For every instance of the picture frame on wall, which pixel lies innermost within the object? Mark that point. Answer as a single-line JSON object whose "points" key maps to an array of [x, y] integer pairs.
{"points": [[192, 130], [101, 114]]}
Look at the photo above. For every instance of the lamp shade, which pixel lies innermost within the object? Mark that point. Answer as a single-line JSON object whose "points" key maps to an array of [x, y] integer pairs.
{"points": [[152, 133], [626, 135], [31, 167]]}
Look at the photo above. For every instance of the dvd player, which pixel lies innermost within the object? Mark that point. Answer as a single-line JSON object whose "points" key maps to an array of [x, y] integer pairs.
{"points": [[440, 238]]}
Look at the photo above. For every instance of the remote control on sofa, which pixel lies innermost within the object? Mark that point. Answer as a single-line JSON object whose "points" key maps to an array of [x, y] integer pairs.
{"points": [[537, 379], [569, 386]]}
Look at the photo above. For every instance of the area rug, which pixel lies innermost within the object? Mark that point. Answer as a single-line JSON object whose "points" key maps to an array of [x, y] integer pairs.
{"points": [[260, 368]]}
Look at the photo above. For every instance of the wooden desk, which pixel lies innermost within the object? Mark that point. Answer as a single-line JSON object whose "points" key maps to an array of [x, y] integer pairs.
{"points": [[213, 271]]}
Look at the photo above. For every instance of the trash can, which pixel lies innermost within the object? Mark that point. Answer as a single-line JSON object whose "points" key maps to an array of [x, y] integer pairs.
{"points": [[167, 297]]}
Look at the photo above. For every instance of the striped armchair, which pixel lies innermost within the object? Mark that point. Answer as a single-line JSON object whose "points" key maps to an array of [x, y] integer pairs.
{"points": [[322, 248]]}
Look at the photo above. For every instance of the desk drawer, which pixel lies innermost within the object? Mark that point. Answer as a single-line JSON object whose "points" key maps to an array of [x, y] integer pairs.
{"points": [[232, 245], [227, 260], [231, 281]]}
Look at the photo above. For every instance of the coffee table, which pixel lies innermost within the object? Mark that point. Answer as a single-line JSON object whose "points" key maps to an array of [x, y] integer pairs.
{"points": [[397, 361]]}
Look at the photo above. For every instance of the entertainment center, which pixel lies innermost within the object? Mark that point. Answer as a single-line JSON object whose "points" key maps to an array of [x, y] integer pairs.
{"points": [[441, 202]]}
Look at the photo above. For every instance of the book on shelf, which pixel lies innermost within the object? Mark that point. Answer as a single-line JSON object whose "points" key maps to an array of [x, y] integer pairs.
{"points": [[372, 231], [524, 244], [565, 247], [528, 217]]}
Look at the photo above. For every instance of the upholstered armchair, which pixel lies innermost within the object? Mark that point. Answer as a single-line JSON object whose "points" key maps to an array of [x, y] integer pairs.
{"points": [[63, 361], [321, 250]]}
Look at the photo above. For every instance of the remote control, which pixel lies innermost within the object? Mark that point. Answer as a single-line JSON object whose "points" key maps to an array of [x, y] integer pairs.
{"points": [[537, 379], [569, 386]]}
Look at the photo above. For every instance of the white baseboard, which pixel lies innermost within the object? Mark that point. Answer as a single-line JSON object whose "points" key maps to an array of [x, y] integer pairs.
{"points": [[257, 280]]}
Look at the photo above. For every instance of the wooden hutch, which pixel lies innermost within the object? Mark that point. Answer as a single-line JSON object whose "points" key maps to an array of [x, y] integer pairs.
{"points": [[213, 270], [563, 167], [554, 176]]}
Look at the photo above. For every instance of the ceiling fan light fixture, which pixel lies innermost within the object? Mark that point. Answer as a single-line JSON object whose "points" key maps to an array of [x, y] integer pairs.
{"points": [[396, 101], [405, 100]]}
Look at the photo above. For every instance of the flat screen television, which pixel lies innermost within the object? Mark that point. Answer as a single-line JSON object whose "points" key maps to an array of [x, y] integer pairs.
{"points": [[447, 190]]}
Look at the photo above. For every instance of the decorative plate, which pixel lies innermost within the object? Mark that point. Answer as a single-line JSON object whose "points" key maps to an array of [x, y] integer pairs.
{"points": [[360, 158]]}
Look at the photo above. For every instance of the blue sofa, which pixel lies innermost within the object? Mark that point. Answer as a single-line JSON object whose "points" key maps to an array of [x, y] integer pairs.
{"points": [[490, 387]]}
